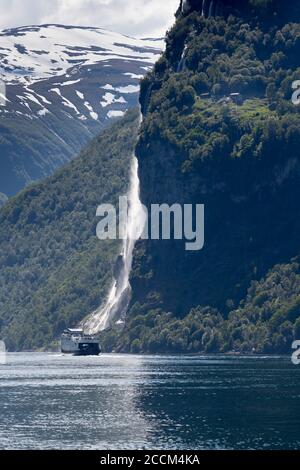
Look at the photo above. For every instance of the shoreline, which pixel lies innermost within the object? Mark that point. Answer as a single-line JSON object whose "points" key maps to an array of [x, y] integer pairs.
{"points": [[203, 355]]}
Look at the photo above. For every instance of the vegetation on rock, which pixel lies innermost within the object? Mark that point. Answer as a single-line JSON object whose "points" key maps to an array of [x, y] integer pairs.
{"points": [[220, 129]]}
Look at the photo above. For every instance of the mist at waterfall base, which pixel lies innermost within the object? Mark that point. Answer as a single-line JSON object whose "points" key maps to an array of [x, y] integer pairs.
{"points": [[118, 299]]}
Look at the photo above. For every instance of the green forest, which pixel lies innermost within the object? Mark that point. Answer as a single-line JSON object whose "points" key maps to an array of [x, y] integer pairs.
{"points": [[54, 270]]}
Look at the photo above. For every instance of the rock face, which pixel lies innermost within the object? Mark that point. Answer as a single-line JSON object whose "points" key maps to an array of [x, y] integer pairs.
{"points": [[241, 161], [210, 8], [205, 7]]}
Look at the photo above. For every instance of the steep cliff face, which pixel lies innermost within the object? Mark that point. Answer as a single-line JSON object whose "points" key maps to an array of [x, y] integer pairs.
{"points": [[220, 129], [276, 8], [208, 8]]}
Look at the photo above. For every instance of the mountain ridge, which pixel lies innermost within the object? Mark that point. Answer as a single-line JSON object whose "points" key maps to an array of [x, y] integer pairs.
{"points": [[64, 84], [54, 270]]}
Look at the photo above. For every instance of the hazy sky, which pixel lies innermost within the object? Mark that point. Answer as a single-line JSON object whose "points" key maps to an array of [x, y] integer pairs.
{"points": [[142, 18]]}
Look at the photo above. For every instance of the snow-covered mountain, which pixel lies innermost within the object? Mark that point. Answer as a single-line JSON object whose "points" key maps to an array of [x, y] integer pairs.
{"points": [[63, 84]]}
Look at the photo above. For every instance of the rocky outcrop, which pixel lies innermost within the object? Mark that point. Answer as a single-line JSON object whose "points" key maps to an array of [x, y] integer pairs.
{"points": [[209, 8], [206, 7]]}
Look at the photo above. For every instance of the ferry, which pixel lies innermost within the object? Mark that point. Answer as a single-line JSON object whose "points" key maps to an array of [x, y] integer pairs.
{"points": [[75, 341]]}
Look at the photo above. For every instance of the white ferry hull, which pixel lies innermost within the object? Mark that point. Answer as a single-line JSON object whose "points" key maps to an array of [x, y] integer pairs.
{"points": [[79, 345]]}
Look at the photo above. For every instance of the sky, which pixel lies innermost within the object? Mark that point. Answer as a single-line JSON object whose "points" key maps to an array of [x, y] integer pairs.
{"points": [[137, 18]]}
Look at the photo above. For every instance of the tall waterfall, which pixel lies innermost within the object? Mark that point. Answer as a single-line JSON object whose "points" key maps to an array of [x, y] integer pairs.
{"points": [[119, 296], [182, 61]]}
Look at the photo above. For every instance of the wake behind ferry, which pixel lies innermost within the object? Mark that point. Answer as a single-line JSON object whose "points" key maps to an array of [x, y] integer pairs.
{"points": [[75, 341]]}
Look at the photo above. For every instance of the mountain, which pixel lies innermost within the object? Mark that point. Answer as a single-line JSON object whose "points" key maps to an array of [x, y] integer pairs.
{"points": [[220, 129], [63, 85], [54, 270]]}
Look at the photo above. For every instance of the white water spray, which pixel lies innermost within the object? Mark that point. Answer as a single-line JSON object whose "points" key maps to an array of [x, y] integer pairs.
{"points": [[182, 63], [117, 303]]}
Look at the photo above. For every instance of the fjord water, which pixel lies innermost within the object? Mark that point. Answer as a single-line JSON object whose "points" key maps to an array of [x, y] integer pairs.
{"points": [[50, 401]]}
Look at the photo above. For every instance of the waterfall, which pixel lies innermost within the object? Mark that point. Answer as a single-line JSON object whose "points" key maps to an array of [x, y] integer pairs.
{"points": [[118, 299], [182, 63], [208, 8]]}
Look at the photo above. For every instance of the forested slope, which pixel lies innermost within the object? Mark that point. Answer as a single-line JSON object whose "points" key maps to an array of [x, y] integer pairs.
{"points": [[54, 270]]}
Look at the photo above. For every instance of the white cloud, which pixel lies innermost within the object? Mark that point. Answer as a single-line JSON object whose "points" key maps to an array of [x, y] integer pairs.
{"points": [[141, 18]]}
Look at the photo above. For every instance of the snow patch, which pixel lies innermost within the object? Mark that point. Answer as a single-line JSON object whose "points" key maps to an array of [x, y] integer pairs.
{"points": [[69, 104], [69, 83], [108, 87], [44, 100], [89, 46], [32, 98], [43, 112], [115, 114], [65, 101], [4, 98], [94, 115], [133, 75], [80, 95], [128, 89], [56, 90], [92, 112], [110, 98]]}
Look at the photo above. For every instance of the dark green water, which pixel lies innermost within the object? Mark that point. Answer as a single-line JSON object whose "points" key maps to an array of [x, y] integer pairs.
{"points": [[155, 402]]}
